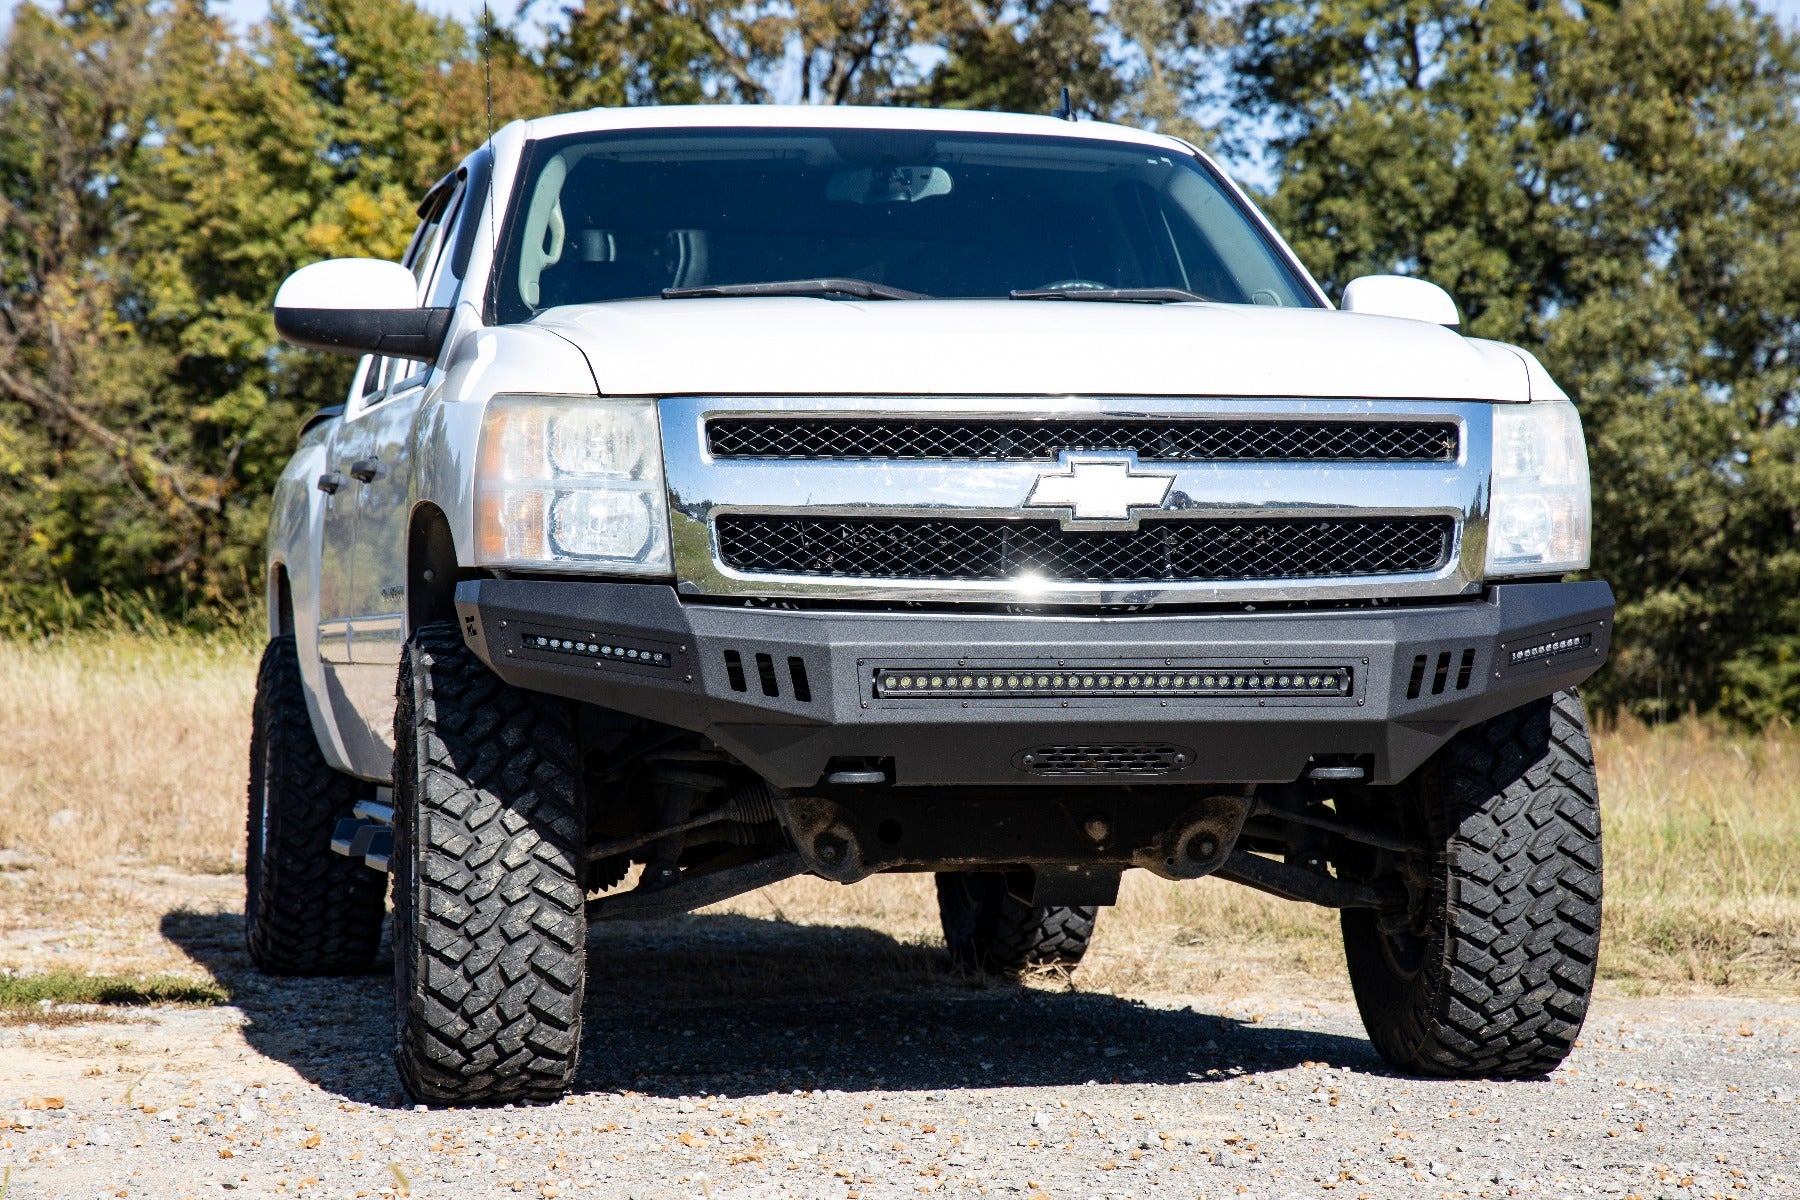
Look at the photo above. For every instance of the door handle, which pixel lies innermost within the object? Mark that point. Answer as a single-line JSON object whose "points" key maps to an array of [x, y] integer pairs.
{"points": [[365, 468], [330, 482]]}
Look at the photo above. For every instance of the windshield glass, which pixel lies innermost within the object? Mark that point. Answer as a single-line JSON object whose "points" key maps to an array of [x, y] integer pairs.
{"points": [[617, 216]]}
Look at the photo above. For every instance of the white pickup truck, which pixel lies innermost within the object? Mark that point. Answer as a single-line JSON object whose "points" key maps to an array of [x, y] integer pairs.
{"points": [[739, 493]]}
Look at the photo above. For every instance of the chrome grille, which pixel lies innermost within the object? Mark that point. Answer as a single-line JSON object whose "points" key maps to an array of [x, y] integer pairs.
{"points": [[1158, 551], [1018, 440]]}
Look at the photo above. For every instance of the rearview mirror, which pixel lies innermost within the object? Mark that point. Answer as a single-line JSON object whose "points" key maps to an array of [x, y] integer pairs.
{"points": [[1400, 296], [359, 306]]}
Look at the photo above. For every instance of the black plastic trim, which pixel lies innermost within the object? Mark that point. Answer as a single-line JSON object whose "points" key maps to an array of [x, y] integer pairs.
{"points": [[414, 333], [475, 197], [330, 412]]}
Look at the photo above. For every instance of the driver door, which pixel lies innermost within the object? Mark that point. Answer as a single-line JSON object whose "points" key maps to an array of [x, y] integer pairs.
{"points": [[382, 469]]}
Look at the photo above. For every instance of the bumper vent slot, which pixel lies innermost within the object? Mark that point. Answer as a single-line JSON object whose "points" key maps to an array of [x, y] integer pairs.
{"points": [[797, 674], [1163, 550], [1013, 440], [765, 672], [1104, 758], [1440, 673]]}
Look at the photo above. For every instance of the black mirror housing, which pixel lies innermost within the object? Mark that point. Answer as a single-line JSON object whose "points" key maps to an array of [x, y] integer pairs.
{"points": [[415, 333]]}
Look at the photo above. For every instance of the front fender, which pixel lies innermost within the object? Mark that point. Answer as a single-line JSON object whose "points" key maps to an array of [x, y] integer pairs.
{"points": [[483, 362]]}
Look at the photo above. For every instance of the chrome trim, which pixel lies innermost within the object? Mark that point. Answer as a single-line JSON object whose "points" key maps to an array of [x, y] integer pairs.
{"points": [[334, 640], [701, 487]]}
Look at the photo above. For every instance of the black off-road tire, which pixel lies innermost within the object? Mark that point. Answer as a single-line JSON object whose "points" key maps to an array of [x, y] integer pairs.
{"points": [[307, 911], [990, 930], [1493, 978], [490, 923]]}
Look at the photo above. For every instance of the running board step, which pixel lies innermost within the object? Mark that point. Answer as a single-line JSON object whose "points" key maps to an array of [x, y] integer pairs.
{"points": [[364, 838]]}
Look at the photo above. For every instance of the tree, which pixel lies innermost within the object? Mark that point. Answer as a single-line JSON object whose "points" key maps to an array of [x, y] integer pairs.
{"points": [[1615, 186], [97, 489], [160, 179]]}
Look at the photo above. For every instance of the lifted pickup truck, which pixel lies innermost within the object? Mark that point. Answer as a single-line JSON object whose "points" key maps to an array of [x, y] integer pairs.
{"points": [[744, 493]]}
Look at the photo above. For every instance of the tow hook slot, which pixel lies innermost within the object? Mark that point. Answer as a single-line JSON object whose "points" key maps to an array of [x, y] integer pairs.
{"points": [[368, 833]]}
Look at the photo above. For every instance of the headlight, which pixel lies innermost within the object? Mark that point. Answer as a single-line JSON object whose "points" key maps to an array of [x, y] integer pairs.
{"points": [[564, 481], [1539, 522]]}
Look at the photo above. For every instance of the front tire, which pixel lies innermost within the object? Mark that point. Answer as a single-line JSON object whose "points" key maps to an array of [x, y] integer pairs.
{"points": [[490, 921], [307, 911], [991, 930], [1492, 976]]}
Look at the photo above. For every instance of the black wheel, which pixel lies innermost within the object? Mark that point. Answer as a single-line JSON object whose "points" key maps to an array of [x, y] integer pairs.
{"points": [[1489, 974], [989, 928], [307, 911], [490, 923]]}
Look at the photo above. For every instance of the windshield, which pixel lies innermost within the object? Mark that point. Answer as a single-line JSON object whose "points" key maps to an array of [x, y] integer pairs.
{"points": [[618, 216]]}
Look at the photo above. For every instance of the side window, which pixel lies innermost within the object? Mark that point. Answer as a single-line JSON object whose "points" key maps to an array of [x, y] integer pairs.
{"points": [[371, 380], [440, 285], [425, 246], [422, 258]]}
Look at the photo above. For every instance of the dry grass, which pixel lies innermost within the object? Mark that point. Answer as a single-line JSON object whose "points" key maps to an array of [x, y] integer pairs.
{"points": [[125, 749], [122, 775], [1701, 829]]}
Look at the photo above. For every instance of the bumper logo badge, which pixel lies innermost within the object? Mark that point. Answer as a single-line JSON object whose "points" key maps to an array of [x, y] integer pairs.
{"points": [[1099, 490]]}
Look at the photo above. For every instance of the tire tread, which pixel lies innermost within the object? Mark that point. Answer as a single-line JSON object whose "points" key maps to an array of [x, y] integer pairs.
{"points": [[491, 927], [307, 910]]}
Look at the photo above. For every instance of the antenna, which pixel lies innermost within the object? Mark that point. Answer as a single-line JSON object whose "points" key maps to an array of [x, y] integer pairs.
{"points": [[487, 72], [1064, 109]]}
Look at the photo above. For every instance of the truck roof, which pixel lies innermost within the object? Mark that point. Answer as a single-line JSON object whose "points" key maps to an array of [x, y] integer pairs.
{"points": [[841, 116]]}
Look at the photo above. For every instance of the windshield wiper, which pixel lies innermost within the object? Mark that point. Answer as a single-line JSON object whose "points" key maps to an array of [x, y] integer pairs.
{"points": [[1148, 295], [862, 289]]}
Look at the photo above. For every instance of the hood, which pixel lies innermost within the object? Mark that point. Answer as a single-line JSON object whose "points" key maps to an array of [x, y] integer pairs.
{"points": [[807, 346]]}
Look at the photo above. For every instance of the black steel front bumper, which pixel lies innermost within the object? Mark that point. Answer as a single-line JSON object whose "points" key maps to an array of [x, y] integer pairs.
{"points": [[789, 692]]}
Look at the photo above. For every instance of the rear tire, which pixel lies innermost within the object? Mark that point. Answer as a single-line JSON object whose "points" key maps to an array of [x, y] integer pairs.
{"points": [[490, 919], [1493, 977], [989, 929], [307, 911]]}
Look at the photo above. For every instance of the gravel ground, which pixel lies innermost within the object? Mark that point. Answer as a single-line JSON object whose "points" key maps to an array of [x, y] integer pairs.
{"points": [[734, 1057]]}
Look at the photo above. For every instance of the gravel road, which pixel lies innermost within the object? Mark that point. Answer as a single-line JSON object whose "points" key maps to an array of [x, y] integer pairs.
{"points": [[718, 1066]]}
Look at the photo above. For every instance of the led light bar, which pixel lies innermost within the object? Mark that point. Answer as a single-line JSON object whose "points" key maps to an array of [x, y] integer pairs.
{"points": [[899, 683], [604, 650], [1551, 649]]}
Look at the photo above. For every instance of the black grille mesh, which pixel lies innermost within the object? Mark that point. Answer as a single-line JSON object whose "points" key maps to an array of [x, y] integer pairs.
{"points": [[1166, 550], [1104, 758], [1034, 441]]}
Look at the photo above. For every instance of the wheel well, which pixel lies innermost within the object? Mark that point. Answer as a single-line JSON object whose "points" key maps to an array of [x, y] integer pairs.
{"points": [[431, 568], [281, 602]]}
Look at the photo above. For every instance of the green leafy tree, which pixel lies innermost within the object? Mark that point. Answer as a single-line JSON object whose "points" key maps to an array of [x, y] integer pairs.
{"points": [[160, 179], [1616, 186], [95, 485]]}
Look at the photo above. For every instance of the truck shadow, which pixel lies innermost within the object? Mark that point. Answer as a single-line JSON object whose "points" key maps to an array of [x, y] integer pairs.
{"points": [[730, 1005]]}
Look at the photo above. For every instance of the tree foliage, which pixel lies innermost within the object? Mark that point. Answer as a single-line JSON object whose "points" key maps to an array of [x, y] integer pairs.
{"points": [[1617, 187]]}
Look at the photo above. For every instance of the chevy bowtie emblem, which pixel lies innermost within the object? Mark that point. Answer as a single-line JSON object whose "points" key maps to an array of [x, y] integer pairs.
{"points": [[1099, 490]]}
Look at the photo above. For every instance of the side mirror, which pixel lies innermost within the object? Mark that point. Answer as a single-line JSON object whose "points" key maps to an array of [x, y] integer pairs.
{"points": [[359, 306], [1400, 296]]}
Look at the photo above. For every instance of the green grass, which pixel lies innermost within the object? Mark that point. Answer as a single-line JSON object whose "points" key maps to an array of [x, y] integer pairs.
{"points": [[19, 993]]}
